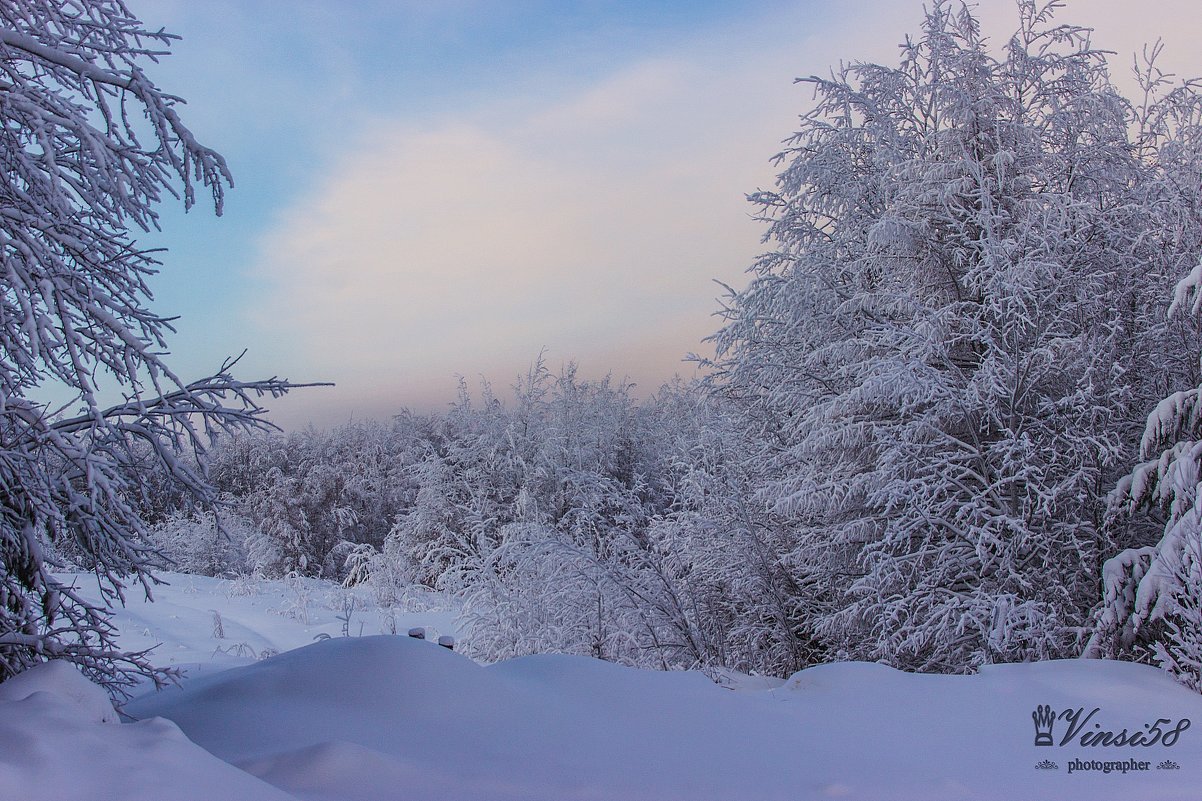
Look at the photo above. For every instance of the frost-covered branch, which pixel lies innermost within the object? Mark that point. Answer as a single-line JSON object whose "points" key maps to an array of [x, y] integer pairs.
{"points": [[88, 146]]}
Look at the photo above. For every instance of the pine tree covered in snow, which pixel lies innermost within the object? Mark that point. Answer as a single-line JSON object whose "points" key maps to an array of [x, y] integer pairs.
{"points": [[1152, 595], [89, 145], [944, 347]]}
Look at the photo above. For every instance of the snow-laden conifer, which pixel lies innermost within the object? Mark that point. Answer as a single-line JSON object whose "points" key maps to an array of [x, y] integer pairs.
{"points": [[946, 343]]}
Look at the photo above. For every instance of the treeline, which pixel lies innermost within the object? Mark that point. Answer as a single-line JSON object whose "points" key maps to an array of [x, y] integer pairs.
{"points": [[570, 517], [567, 518]]}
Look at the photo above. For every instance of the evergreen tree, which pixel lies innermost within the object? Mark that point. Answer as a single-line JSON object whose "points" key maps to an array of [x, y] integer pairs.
{"points": [[942, 346]]}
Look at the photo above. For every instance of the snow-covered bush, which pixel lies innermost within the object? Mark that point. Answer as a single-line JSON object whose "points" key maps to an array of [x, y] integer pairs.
{"points": [[204, 544]]}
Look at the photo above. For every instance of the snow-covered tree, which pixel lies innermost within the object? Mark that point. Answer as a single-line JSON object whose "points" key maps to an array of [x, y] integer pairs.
{"points": [[89, 145], [718, 552], [943, 349], [1152, 594]]}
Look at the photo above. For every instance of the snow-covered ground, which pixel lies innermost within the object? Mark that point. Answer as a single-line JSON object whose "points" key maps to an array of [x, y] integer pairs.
{"points": [[203, 624], [389, 717]]}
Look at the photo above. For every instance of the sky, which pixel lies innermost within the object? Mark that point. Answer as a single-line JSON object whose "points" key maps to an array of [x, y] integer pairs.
{"points": [[434, 189]]}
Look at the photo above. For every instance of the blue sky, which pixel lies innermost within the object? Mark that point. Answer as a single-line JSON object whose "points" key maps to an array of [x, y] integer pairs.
{"points": [[426, 189]]}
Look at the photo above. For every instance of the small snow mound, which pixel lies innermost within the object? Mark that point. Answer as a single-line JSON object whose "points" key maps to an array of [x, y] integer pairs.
{"points": [[64, 681], [57, 741], [385, 677], [840, 675]]}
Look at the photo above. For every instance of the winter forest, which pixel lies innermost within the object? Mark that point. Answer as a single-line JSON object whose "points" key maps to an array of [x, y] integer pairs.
{"points": [[952, 417], [950, 423]]}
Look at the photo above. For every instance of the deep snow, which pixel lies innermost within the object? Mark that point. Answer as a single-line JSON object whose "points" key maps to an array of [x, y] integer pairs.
{"points": [[59, 740], [389, 717]]}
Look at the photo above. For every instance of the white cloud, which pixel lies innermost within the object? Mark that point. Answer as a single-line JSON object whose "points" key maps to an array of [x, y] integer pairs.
{"points": [[590, 223]]}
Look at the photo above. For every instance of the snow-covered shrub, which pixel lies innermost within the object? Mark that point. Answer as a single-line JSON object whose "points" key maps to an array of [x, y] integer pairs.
{"points": [[298, 597], [204, 544], [388, 572]]}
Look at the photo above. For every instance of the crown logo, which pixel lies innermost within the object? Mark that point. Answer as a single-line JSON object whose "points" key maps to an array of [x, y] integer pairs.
{"points": [[1047, 764], [1168, 764], [1044, 717]]}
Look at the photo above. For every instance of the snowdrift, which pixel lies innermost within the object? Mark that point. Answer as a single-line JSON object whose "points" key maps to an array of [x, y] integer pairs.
{"points": [[60, 739], [390, 717]]}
